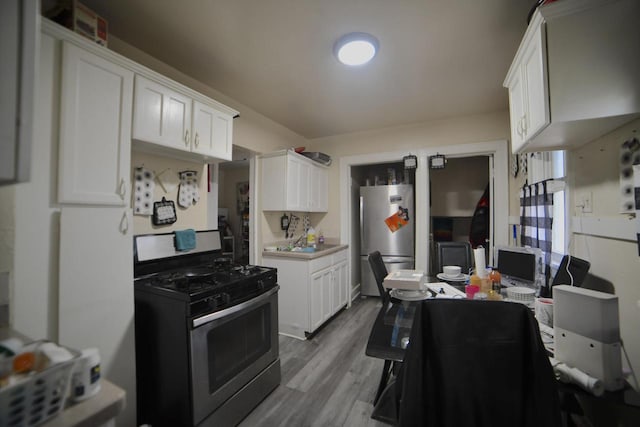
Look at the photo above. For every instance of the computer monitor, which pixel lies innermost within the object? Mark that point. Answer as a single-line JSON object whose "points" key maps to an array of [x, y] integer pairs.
{"points": [[519, 265]]}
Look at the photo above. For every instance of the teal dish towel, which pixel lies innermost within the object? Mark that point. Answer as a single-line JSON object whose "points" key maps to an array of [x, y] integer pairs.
{"points": [[185, 239]]}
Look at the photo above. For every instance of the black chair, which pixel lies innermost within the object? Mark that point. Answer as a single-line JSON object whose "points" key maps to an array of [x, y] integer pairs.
{"points": [[474, 363], [572, 271], [379, 272], [454, 253]]}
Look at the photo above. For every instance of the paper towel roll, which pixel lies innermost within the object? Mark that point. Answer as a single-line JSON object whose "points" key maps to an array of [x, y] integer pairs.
{"points": [[575, 376], [481, 263]]}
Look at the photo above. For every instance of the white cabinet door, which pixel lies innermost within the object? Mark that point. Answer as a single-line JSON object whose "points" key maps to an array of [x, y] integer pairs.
{"points": [[319, 189], [304, 195], [339, 297], [96, 288], [294, 184], [212, 131], [273, 186], [160, 115], [320, 298], [291, 182], [95, 129], [536, 90], [517, 111]]}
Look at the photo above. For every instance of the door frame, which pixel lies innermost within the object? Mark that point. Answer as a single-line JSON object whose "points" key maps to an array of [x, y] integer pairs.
{"points": [[499, 178]]}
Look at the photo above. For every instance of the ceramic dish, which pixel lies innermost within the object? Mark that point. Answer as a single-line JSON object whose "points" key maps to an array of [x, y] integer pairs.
{"points": [[410, 295], [459, 278]]}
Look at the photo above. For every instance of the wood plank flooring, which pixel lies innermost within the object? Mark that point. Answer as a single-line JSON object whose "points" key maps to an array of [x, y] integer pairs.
{"points": [[327, 380]]}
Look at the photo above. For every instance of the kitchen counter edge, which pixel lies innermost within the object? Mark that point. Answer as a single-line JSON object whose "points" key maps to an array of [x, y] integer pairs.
{"points": [[305, 255]]}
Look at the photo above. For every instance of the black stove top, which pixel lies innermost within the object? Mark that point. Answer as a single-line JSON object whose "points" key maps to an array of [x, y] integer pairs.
{"points": [[211, 286]]}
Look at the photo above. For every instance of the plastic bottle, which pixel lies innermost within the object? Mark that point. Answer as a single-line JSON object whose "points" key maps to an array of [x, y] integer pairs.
{"points": [[483, 283], [321, 238], [496, 279], [311, 238]]}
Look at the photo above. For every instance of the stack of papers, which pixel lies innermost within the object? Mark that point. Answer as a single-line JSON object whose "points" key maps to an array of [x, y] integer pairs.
{"points": [[404, 279]]}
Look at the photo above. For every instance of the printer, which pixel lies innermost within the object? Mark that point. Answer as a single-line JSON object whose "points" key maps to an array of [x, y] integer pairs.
{"points": [[587, 333]]}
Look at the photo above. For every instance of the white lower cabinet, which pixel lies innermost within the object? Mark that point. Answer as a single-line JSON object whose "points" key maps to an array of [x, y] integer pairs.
{"points": [[311, 291]]}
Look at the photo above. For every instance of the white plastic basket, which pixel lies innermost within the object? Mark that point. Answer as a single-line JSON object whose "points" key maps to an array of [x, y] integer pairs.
{"points": [[521, 294], [38, 398]]}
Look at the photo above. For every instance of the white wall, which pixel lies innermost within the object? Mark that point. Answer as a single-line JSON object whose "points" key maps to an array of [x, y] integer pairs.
{"points": [[195, 216], [594, 168], [459, 130]]}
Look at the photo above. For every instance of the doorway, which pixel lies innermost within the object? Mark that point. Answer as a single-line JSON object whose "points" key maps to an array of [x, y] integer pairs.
{"points": [[455, 191], [234, 205], [495, 151]]}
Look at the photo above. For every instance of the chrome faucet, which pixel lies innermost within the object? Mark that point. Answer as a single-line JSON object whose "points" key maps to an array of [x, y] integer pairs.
{"points": [[297, 242]]}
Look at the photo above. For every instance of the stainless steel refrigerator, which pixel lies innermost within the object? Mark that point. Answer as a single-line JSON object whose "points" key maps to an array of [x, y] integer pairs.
{"points": [[377, 204]]}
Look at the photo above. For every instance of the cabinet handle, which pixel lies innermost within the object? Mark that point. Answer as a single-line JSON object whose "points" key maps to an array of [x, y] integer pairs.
{"points": [[124, 223], [122, 189], [520, 129], [186, 138], [197, 139], [524, 124]]}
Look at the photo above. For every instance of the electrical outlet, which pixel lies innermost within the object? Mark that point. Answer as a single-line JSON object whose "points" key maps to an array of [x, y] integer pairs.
{"points": [[587, 202]]}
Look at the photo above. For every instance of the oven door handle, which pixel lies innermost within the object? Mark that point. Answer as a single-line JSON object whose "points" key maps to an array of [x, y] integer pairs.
{"points": [[227, 311]]}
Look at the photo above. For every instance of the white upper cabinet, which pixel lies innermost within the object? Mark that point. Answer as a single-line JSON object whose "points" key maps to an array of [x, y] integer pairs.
{"points": [[212, 131], [294, 183], [95, 129], [161, 115], [528, 106], [574, 77], [172, 119]]}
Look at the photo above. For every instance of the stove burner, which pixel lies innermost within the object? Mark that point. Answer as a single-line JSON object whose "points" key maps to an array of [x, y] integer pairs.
{"points": [[247, 270]]}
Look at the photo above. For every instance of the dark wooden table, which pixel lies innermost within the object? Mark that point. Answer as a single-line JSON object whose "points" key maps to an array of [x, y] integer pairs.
{"points": [[390, 333]]}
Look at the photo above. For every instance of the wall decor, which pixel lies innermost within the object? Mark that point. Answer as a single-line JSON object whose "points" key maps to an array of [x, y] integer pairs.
{"points": [[143, 191], [629, 155], [188, 193]]}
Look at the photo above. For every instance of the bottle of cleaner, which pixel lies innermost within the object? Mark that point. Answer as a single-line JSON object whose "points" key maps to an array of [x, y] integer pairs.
{"points": [[311, 237]]}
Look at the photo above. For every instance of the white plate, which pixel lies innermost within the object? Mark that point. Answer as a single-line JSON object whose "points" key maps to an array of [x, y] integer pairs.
{"points": [[460, 278], [410, 295]]}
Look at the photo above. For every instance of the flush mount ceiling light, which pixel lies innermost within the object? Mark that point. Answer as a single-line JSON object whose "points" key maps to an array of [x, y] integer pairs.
{"points": [[355, 48]]}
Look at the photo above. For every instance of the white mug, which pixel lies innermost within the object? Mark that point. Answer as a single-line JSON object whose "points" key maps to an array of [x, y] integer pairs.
{"points": [[85, 379]]}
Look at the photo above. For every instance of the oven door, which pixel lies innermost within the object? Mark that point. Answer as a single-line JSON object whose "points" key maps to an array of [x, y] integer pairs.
{"points": [[229, 348]]}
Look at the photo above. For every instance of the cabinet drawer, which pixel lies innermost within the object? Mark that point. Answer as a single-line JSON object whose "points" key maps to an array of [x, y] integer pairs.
{"points": [[319, 263], [339, 256]]}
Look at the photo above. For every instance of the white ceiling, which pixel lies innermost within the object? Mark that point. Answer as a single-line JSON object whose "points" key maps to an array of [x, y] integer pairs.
{"points": [[437, 59]]}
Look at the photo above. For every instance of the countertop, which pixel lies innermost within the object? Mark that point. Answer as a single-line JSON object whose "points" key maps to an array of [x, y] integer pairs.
{"points": [[94, 411], [321, 250]]}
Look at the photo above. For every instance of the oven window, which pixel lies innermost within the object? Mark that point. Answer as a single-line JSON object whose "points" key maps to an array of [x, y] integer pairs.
{"points": [[236, 344]]}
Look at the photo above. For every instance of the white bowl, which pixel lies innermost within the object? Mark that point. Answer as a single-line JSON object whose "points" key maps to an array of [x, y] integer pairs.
{"points": [[451, 270]]}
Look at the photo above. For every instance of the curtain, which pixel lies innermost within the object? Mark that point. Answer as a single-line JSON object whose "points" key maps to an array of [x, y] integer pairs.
{"points": [[536, 219]]}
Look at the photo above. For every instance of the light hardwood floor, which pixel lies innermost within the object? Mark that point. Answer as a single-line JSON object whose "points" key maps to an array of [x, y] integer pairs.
{"points": [[327, 380]]}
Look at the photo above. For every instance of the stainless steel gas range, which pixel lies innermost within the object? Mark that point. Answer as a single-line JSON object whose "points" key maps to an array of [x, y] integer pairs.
{"points": [[206, 333]]}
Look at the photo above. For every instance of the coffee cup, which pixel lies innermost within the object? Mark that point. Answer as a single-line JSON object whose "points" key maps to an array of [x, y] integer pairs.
{"points": [[544, 311], [451, 270]]}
